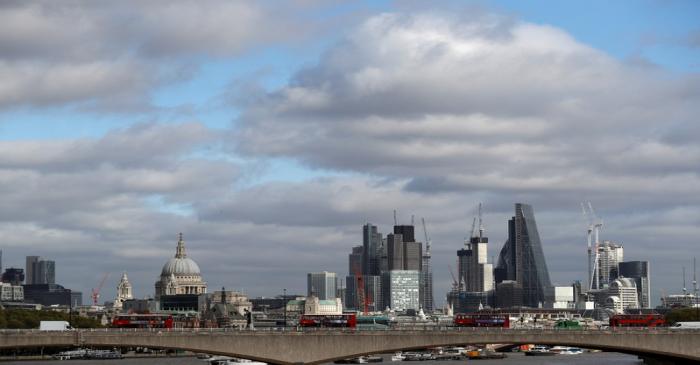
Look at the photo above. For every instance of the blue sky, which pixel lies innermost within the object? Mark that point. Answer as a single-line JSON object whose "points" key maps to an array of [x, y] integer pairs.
{"points": [[219, 120]]}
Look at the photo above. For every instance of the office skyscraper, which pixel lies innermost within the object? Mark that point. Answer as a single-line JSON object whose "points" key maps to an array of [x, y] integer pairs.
{"points": [[610, 254], [426, 277], [323, 284], [371, 245], [522, 258], [40, 271], [639, 272], [29, 269]]}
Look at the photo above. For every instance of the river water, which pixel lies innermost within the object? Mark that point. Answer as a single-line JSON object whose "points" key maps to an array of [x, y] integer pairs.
{"points": [[592, 358]]}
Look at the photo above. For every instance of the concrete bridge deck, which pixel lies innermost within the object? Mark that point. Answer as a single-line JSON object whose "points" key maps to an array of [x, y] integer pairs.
{"points": [[314, 347]]}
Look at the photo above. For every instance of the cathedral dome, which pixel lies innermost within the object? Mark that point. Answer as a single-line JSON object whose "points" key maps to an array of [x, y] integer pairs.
{"points": [[180, 267]]}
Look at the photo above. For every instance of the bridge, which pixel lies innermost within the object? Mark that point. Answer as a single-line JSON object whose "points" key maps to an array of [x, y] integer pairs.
{"points": [[315, 347]]}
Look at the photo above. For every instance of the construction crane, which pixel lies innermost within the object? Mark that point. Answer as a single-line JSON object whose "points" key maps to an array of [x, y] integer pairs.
{"points": [[427, 239], [455, 283], [481, 224], [96, 292], [472, 233], [361, 297], [396, 223], [594, 226], [590, 232]]}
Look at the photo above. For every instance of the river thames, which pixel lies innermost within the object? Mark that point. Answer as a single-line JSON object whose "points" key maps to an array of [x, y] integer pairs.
{"points": [[598, 358]]}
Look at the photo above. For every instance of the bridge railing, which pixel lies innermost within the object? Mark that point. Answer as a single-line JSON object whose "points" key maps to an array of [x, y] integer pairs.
{"points": [[302, 330]]}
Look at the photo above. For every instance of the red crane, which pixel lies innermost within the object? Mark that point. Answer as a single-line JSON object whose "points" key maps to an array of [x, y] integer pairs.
{"points": [[362, 298], [96, 292]]}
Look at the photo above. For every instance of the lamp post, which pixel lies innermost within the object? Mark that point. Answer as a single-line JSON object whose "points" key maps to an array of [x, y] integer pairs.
{"points": [[284, 301]]}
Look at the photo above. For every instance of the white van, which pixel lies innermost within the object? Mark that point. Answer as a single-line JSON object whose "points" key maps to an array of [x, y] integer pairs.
{"points": [[686, 326]]}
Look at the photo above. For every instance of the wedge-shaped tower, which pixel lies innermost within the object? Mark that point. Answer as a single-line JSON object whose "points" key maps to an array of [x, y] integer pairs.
{"points": [[522, 259]]}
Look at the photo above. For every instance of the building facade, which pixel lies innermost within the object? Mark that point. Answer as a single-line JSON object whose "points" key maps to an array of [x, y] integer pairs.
{"points": [[610, 254], [522, 258], [639, 272], [401, 289], [323, 284], [40, 271]]}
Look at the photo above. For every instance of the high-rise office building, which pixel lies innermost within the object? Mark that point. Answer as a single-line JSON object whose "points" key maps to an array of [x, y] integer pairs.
{"points": [[401, 289], [522, 258], [322, 284], [29, 269], [355, 260], [639, 272], [40, 271], [371, 249], [406, 231], [610, 254], [395, 252], [475, 273], [426, 277]]}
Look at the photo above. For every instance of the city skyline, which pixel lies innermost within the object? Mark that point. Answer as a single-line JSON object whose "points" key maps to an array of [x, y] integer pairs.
{"points": [[268, 133]]}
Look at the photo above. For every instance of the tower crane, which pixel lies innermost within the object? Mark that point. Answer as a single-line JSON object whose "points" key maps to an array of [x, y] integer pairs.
{"points": [[455, 283], [594, 226], [95, 293], [481, 225], [427, 239]]}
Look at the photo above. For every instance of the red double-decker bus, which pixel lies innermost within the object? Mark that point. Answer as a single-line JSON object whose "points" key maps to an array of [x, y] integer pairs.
{"points": [[341, 320], [482, 320], [637, 320], [143, 321]]}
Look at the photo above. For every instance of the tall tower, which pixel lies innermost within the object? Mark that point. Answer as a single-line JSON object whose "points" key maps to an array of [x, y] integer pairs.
{"points": [[29, 269], [522, 258], [426, 292], [610, 254], [322, 284], [371, 245], [123, 291]]}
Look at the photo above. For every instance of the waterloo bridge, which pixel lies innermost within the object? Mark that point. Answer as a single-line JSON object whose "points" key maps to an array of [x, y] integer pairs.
{"points": [[315, 347]]}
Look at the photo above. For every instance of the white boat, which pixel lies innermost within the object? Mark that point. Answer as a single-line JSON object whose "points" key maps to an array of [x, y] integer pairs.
{"points": [[399, 356], [565, 350], [227, 360]]}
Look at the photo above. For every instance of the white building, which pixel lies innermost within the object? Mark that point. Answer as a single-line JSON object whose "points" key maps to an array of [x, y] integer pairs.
{"points": [[401, 289], [622, 294], [610, 255], [560, 297], [11, 293], [680, 301], [322, 284], [124, 292], [313, 305]]}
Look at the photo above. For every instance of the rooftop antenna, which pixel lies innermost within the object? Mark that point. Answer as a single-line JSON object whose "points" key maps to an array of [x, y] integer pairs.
{"points": [[395, 221], [413, 219]]}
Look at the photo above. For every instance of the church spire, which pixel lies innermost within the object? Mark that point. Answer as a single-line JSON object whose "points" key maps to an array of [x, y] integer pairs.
{"points": [[180, 253]]}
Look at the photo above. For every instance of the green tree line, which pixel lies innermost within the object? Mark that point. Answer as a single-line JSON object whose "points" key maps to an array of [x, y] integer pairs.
{"points": [[683, 315], [29, 319]]}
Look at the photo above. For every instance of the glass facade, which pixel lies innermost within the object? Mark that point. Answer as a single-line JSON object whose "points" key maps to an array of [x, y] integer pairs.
{"points": [[522, 258]]}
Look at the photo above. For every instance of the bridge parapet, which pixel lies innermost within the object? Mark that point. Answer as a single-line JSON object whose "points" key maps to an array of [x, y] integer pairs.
{"points": [[314, 347]]}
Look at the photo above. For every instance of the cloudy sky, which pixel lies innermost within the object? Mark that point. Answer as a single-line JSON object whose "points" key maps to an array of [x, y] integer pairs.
{"points": [[269, 132]]}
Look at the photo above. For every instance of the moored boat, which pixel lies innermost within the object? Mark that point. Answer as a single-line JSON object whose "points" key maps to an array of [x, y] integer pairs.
{"points": [[539, 351], [398, 356], [565, 350]]}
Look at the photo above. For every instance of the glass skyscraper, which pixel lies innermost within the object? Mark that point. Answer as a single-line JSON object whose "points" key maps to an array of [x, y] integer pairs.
{"points": [[522, 258]]}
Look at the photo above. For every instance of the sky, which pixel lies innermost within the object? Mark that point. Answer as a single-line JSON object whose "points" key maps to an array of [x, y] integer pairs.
{"points": [[269, 132]]}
